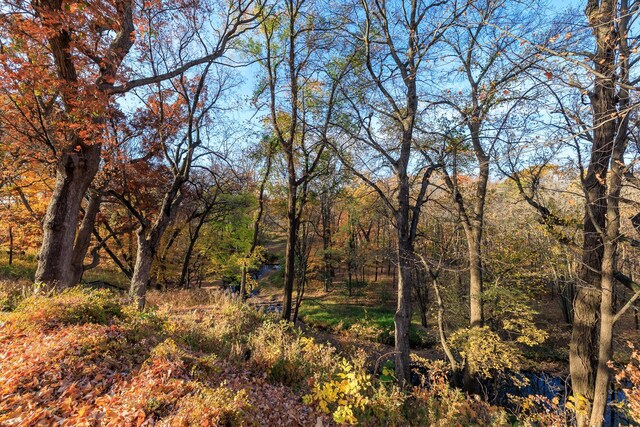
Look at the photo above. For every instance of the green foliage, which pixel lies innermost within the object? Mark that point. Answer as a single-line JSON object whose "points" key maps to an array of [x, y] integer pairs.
{"points": [[76, 305], [228, 240], [372, 323]]}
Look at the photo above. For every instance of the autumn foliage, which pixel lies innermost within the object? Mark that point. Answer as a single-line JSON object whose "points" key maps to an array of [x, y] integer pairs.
{"points": [[83, 358]]}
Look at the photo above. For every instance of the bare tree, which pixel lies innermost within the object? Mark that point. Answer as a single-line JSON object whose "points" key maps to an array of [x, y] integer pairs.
{"points": [[301, 75], [397, 39]]}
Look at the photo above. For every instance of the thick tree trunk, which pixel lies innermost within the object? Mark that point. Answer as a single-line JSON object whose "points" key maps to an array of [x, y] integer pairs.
{"points": [[583, 356], [611, 236], [476, 224], [75, 171], [149, 237], [474, 242], [406, 265]]}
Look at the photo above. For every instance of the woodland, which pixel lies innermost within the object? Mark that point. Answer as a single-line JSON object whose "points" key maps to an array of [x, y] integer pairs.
{"points": [[319, 212]]}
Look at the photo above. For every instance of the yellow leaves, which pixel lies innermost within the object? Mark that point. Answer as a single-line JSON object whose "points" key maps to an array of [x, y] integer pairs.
{"points": [[578, 404], [349, 390], [485, 352]]}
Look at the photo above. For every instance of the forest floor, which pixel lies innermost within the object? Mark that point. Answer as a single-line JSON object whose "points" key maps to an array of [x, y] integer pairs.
{"points": [[365, 317], [199, 355]]}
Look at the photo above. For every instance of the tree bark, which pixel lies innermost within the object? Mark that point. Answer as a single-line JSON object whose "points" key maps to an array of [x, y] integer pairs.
{"points": [[290, 250], [474, 243], [612, 234], [325, 210], [74, 174], [83, 239], [10, 245], [142, 270], [583, 356], [79, 159], [406, 264], [189, 252]]}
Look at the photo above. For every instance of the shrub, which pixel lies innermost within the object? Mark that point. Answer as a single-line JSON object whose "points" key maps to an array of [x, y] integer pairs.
{"points": [[288, 357], [73, 306], [345, 396], [353, 396], [11, 293], [213, 406], [485, 352], [537, 410], [224, 329], [436, 403]]}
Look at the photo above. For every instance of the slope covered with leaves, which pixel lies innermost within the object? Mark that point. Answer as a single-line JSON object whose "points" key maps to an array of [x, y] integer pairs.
{"points": [[81, 358]]}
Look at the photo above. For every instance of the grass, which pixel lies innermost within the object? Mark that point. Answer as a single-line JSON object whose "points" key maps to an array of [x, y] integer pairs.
{"points": [[367, 322], [24, 267]]}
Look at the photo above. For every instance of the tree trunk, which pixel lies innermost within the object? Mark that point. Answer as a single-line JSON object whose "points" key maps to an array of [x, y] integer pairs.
{"points": [[142, 269], [149, 237], [441, 329], [406, 265], [10, 245], [583, 356], [290, 251], [474, 242], [74, 174], [611, 235], [326, 239], [243, 282], [192, 243], [83, 239]]}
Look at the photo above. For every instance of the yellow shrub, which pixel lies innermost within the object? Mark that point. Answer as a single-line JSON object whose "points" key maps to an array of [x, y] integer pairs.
{"points": [[347, 392]]}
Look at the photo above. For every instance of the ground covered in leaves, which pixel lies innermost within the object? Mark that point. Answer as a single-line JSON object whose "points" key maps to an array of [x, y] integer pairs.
{"points": [[85, 358], [81, 358]]}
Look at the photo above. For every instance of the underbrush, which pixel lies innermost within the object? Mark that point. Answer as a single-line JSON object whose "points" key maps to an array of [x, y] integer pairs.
{"points": [[83, 357]]}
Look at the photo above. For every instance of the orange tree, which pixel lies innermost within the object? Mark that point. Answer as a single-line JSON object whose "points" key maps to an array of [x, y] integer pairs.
{"points": [[62, 64]]}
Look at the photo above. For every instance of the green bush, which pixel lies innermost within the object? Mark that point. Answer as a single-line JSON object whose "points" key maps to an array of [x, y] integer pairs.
{"points": [[72, 306]]}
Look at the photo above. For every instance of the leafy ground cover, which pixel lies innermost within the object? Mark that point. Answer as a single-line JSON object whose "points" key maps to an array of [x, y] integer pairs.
{"points": [[84, 358], [198, 358]]}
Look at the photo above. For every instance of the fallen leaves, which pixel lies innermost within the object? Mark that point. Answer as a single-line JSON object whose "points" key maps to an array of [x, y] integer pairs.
{"points": [[91, 374]]}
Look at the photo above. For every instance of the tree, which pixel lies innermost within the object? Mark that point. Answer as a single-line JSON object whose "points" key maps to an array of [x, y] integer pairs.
{"points": [[269, 147], [605, 80], [396, 39], [65, 62], [491, 68], [176, 118], [300, 86]]}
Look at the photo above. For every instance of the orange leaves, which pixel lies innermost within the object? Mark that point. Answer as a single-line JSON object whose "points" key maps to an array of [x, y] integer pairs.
{"points": [[63, 372]]}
